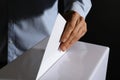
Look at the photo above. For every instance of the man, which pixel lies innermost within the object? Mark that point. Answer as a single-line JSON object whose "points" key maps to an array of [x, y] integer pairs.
{"points": [[30, 21]]}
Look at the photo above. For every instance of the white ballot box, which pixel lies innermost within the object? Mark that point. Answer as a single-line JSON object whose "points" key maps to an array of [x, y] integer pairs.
{"points": [[83, 61]]}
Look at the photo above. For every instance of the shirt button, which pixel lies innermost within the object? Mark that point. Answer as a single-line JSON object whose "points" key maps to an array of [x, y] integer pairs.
{"points": [[10, 41]]}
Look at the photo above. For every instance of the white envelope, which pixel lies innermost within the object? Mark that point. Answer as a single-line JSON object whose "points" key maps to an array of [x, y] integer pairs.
{"points": [[52, 52]]}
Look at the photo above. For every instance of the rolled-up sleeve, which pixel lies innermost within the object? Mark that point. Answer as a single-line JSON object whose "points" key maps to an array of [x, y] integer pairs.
{"points": [[80, 6]]}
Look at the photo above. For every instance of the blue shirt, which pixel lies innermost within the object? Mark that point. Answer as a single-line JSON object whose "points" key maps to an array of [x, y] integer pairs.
{"points": [[23, 34]]}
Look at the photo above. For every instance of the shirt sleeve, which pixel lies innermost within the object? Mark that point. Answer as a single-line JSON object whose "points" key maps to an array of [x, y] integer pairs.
{"points": [[80, 6]]}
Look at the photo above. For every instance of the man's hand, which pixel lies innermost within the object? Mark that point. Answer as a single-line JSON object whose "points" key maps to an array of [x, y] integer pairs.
{"points": [[75, 28]]}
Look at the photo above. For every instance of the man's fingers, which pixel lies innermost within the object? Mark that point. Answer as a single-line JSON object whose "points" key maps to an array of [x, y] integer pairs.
{"points": [[79, 25], [74, 37], [74, 30], [69, 28], [65, 45]]}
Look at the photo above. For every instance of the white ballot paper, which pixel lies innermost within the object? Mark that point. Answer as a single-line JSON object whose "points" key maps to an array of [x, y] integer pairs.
{"points": [[52, 52]]}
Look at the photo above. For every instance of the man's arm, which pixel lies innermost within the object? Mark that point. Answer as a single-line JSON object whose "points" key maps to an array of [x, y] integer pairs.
{"points": [[76, 27]]}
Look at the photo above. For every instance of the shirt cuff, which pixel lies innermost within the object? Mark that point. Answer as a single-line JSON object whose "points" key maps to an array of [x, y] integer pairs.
{"points": [[78, 7], [81, 7]]}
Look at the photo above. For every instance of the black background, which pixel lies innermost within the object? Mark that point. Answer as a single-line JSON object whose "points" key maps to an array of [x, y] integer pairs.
{"points": [[104, 29]]}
